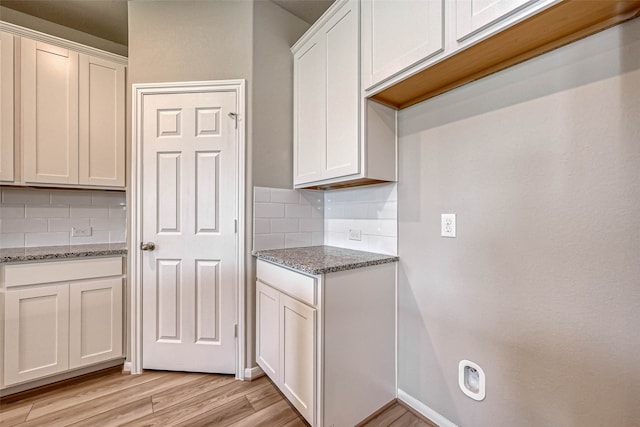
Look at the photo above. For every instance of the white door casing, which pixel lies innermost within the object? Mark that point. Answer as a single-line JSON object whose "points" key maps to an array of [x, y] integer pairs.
{"points": [[188, 161]]}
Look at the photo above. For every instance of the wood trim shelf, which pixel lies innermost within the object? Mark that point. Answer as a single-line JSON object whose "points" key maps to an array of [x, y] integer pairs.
{"points": [[554, 27]]}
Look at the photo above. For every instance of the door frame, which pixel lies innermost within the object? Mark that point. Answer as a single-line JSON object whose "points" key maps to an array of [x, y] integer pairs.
{"points": [[139, 91]]}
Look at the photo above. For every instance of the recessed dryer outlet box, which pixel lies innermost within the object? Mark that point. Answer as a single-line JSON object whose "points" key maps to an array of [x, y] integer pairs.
{"points": [[471, 379]]}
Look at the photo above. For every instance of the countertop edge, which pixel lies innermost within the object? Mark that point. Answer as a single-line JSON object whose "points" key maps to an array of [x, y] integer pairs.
{"points": [[63, 255], [325, 270]]}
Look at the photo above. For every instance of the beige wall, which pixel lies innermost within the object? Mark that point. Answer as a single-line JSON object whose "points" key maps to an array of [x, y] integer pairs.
{"points": [[541, 288], [37, 24], [189, 40]]}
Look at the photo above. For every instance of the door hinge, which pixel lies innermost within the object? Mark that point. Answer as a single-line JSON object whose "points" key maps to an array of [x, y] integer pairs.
{"points": [[235, 225], [235, 330]]}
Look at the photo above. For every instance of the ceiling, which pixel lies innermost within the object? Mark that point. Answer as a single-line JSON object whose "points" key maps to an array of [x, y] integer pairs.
{"points": [[107, 19]]}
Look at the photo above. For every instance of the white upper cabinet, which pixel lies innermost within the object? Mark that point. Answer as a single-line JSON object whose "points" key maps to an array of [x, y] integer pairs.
{"points": [[49, 99], [7, 142], [71, 98], [332, 142], [310, 102], [102, 145], [397, 34], [475, 15]]}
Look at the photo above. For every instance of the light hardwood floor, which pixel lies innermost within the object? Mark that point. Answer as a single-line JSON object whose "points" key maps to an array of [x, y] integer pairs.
{"points": [[167, 399]]}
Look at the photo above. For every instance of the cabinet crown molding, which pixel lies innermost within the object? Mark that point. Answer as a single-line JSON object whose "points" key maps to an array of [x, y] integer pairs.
{"points": [[57, 41]]}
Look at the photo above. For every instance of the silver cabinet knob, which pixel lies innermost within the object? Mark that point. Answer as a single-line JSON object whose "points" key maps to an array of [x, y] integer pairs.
{"points": [[149, 246]]}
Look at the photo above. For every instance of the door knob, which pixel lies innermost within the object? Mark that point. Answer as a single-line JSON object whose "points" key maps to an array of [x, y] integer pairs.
{"points": [[147, 246]]}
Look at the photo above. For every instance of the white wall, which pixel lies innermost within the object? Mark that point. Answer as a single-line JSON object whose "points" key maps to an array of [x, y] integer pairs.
{"points": [[32, 217], [541, 288]]}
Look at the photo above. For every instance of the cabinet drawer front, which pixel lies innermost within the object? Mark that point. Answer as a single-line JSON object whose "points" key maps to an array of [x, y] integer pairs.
{"points": [[294, 284], [61, 271]]}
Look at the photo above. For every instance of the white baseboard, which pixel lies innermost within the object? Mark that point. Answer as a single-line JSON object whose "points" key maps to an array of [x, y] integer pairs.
{"points": [[424, 409], [251, 374], [126, 367]]}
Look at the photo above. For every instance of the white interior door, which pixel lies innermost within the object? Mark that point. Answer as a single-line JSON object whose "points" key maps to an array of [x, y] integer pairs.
{"points": [[189, 193]]}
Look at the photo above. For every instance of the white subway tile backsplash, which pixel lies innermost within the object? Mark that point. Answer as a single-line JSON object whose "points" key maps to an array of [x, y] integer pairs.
{"points": [[356, 211], [47, 211], [285, 225], [45, 217], [12, 211], [46, 239], [11, 240], [287, 218], [89, 212], [71, 197], [281, 195], [66, 224], [268, 241], [261, 226], [296, 240], [23, 225], [97, 236], [110, 224], [298, 211], [261, 194], [117, 236], [25, 195], [314, 224], [107, 198], [383, 210], [118, 212], [269, 210], [383, 245]]}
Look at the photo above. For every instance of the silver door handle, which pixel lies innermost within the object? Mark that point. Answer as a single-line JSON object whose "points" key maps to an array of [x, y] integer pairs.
{"points": [[147, 246]]}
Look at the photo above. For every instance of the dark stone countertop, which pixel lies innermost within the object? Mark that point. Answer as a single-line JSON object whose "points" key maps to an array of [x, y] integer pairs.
{"points": [[323, 259], [61, 252]]}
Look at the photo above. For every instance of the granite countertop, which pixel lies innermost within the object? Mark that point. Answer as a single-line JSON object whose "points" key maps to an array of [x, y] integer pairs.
{"points": [[61, 252], [323, 259]]}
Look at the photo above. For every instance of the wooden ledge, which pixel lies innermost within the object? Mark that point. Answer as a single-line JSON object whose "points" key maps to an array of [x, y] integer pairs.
{"points": [[557, 26]]}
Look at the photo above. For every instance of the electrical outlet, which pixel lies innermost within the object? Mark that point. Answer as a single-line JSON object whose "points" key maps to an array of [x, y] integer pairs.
{"points": [[355, 235], [80, 231], [448, 225]]}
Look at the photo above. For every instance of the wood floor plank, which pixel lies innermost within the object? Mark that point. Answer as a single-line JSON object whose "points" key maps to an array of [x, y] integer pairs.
{"points": [[177, 395], [387, 417], [296, 422], [96, 406], [199, 404], [264, 396], [222, 416], [275, 415], [120, 415], [408, 420], [72, 396], [15, 415]]}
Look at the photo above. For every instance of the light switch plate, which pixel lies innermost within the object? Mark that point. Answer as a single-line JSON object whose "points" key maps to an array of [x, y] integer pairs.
{"points": [[448, 225]]}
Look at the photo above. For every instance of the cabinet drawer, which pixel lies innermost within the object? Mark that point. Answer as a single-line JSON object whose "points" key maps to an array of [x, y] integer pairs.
{"points": [[61, 271], [294, 284]]}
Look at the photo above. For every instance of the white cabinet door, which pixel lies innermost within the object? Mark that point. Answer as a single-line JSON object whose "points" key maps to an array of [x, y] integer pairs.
{"points": [[397, 34], [36, 332], [95, 321], [268, 330], [343, 93], [7, 142], [310, 126], [102, 115], [297, 362], [49, 81], [475, 15]]}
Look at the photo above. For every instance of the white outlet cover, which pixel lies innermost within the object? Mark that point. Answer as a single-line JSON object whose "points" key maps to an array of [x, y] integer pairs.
{"points": [[355, 235], [448, 225], [81, 231]]}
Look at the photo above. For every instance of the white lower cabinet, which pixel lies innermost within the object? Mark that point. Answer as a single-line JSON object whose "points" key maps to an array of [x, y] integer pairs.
{"points": [[60, 316], [328, 341]]}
